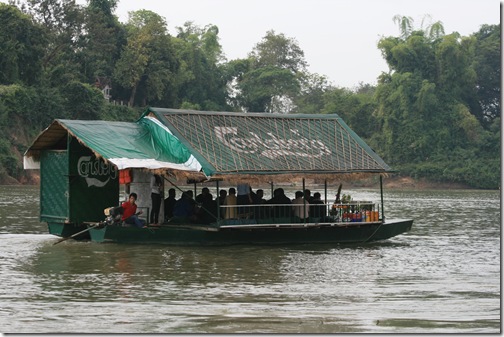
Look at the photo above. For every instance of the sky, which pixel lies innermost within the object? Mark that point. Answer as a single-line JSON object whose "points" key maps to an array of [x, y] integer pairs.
{"points": [[339, 37]]}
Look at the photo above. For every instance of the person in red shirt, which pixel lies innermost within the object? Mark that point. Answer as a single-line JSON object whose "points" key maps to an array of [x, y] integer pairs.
{"points": [[130, 216]]}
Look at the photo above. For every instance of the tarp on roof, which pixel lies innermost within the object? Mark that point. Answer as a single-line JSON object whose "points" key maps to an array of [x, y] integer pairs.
{"points": [[145, 144], [259, 143]]}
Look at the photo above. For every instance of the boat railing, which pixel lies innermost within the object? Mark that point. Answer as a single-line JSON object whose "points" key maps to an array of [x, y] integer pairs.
{"points": [[355, 211]]}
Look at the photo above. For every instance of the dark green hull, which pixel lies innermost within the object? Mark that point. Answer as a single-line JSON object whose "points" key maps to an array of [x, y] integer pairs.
{"points": [[253, 234], [66, 230]]}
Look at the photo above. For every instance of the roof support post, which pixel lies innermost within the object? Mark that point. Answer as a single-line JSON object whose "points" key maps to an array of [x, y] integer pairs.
{"points": [[325, 191], [381, 193], [304, 201], [218, 199], [325, 196]]}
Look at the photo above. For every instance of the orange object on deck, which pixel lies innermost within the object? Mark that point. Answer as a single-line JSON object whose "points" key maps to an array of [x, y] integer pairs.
{"points": [[125, 176]]}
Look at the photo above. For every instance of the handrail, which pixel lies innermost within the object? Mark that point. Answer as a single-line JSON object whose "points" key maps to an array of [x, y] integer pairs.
{"points": [[355, 211]]}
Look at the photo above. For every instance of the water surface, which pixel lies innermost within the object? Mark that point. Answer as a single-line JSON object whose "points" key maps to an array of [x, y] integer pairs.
{"points": [[442, 277]]}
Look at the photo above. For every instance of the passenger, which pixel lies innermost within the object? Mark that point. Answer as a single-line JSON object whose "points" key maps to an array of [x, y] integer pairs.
{"points": [[130, 215], [258, 201], [193, 203], [169, 202], [243, 197], [222, 196], [308, 196], [156, 185], [207, 213], [230, 202], [279, 198], [317, 208], [200, 198], [189, 193], [260, 197], [184, 208], [222, 199], [301, 208], [252, 196]]}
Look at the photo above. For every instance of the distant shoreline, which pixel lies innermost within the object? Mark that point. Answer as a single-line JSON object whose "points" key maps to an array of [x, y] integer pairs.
{"points": [[391, 182], [403, 183]]}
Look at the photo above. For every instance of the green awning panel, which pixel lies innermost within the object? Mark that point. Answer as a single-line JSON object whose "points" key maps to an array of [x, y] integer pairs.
{"points": [[146, 144]]}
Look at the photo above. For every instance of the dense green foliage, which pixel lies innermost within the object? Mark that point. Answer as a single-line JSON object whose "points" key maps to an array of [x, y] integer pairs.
{"points": [[435, 114], [436, 120]]}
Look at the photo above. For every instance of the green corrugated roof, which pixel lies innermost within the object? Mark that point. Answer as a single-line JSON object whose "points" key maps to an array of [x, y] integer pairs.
{"points": [[221, 143], [259, 143]]}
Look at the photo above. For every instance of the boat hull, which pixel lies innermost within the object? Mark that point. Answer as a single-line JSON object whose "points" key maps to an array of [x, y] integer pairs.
{"points": [[272, 234], [65, 230]]}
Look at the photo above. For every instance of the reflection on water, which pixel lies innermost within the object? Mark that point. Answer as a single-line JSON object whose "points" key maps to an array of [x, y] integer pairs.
{"points": [[442, 277]]}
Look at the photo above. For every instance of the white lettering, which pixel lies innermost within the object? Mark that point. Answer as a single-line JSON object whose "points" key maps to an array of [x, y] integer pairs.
{"points": [[95, 171], [272, 147]]}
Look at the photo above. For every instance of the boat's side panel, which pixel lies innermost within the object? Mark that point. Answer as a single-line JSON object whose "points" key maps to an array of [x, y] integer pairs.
{"points": [[355, 233], [171, 235], [66, 230], [323, 234]]}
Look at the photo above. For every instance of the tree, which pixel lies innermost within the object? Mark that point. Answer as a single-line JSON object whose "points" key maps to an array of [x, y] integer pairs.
{"points": [[487, 66], [355, 108], [201, 78], [279, 51], [147, 60], [415, 54], [63, 23], [82, 100], [405, 24], [101, 42], [311, 97], [268, 89], [427, 107], [105, 8], [22, 48], [433, 30], [276, 67]]}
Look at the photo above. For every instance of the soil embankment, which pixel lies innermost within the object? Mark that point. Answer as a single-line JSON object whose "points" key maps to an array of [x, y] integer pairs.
{"points": [[395, 182], [421, 184]]}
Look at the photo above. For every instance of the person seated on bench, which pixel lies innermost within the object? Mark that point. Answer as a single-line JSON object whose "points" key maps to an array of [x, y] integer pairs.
{"points": [[317, 207], [207, 213], [301, 207], [282, 204], [130, 215], [230, 203], [184, 209]]}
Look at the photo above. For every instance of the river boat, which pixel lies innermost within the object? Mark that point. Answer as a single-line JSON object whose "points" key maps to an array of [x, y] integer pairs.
{"points": [[87, 167]]}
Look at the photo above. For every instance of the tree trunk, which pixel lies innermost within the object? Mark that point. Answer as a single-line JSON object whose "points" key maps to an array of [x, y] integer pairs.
{"points": [[132, 96]]}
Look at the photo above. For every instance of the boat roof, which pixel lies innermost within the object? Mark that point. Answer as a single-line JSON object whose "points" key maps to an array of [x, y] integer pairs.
{"points": [[142, 144], [222, 144]]}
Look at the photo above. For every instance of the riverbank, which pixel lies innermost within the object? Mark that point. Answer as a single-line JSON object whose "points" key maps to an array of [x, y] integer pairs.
{"points": [[405, 183], [391, 182], [422, 184]]}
